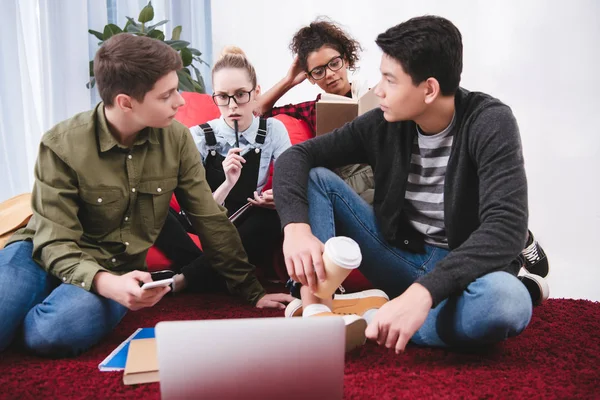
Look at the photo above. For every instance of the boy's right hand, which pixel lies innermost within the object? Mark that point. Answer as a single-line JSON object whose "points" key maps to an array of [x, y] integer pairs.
{"points": [[303, 254], [126, 290], [232, 166]]}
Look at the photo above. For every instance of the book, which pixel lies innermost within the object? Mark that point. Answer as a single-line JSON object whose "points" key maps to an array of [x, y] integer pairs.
{"points": [[333, 111], [142, 362], [117, 358]]}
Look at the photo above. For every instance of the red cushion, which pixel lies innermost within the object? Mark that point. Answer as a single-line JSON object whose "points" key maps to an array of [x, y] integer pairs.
{"points": [[156, 259], [298, 130], [198, 109], [174, 204]]}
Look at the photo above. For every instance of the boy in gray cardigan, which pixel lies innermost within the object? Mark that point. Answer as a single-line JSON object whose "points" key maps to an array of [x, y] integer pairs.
{"points": [[449, 220]]}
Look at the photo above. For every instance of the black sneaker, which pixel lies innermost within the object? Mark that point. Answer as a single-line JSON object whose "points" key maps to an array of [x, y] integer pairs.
{"points": [[537, 287], [534, 257]]}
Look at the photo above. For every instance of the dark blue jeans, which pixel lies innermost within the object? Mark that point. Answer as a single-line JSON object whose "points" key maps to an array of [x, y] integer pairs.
{"points": [[47, 317], [492, 308]]}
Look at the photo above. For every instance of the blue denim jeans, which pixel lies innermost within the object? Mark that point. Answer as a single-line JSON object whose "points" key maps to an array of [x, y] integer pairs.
{"points": [[47, 317], [492, 308]]}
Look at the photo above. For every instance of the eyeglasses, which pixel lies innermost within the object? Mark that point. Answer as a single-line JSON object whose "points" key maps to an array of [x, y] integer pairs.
{"points": [[335, 64], [240, 97]]}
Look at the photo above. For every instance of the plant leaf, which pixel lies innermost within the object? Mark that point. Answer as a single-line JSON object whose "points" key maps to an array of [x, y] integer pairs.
{"points": [[201, 61], [176, 33], [197, 71], [197, 87], [91, 83], [149, 28], [99, 35], [195, 52], [177, 44], [185, 82], [110, 30], [91, 67], [156, 34], [186, 56], [199, 81], [133, 29], [132, 22], [147, 13], [202, 84]]}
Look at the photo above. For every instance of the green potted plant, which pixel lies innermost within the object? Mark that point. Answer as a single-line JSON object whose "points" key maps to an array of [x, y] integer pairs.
{"points": [[141, 27]]}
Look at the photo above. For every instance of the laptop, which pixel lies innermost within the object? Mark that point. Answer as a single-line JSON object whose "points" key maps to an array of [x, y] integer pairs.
{"points": [[258, 358]]}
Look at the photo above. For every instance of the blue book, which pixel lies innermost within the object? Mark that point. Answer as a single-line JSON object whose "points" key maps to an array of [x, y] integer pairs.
{"points": [[117, 359]]}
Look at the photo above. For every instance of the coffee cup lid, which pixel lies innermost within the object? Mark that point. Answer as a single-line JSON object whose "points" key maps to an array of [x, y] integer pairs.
{"points": [[343, 251]]}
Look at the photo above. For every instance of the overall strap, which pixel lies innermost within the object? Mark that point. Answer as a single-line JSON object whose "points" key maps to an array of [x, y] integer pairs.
{"points": [[211, 140], [262, 131]]}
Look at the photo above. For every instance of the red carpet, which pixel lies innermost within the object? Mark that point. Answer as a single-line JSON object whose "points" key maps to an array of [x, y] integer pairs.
{"points": [[558, 356]]}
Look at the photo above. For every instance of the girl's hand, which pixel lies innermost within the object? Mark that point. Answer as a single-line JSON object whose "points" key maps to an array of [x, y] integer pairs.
{"points": [[295, 75], [265, 200], [232, 166]]}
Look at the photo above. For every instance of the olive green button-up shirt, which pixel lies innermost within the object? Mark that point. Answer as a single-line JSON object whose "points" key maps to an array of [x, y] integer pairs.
{"points": [[98, 206]]}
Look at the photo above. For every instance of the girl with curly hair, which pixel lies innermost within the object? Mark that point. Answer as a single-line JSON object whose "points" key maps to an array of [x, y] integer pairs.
{"points": [[325, 53]]}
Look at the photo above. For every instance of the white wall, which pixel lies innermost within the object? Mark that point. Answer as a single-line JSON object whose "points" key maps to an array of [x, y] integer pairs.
{"points": [[541, 57]]}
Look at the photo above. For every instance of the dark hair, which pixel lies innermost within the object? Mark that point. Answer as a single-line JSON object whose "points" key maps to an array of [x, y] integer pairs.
{"points": [[234, 57], [426, 47], [322, 32], [131, 65]]}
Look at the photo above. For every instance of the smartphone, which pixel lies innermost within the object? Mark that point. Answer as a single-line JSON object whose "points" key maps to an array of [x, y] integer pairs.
{"points": [[160, 275], [155, 284]]}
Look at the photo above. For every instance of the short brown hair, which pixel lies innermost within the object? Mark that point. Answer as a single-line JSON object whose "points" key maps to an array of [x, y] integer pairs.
{"points": [[234, 57], [131, 65]]}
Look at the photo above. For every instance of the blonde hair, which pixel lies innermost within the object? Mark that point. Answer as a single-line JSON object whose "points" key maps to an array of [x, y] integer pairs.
{"points": [[234, 57]]}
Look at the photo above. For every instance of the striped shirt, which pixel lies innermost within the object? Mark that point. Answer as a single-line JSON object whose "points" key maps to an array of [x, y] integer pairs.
{"points": [[424, 198]]}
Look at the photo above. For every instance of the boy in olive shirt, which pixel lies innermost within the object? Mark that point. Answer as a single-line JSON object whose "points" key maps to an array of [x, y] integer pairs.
{"points": [[103, 182]]}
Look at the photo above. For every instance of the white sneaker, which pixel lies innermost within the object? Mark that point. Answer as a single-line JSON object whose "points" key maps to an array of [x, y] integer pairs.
{"points": [[346, 304]]}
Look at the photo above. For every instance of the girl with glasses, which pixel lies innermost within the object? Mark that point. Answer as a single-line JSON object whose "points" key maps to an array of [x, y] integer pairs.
{"points": [[237, 151], [325, 53]]}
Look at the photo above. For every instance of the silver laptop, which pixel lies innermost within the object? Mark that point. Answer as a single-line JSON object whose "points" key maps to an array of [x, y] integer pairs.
{"points": [[259, 358]]}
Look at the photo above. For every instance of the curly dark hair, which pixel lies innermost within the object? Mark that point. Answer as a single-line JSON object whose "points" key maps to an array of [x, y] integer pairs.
{"points": [[323, 32]]}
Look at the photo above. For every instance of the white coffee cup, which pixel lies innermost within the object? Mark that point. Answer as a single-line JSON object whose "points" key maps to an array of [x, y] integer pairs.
{"points": [[340, 257]]}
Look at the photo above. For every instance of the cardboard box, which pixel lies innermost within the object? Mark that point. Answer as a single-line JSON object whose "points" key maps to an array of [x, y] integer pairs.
{"points": [[334, 111]]}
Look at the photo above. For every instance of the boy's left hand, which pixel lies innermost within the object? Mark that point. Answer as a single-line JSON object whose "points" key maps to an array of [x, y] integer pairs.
{"points": [[265, 199], [397, 320], [274, 300]]}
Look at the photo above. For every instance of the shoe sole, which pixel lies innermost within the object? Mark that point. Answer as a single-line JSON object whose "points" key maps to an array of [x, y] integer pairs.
{"points": [[362, 295], [537, 287], [293, 309]]}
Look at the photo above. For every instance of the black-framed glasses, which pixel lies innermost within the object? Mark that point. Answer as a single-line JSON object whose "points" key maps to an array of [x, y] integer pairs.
{"points": [[335, 64], [240, 97]]}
